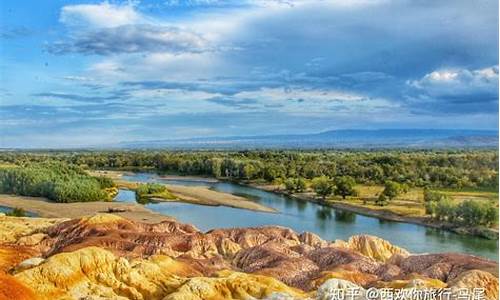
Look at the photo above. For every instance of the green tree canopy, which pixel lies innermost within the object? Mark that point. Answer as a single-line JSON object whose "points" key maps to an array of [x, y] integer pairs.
{"points": [[344, 186], [323, 186]]}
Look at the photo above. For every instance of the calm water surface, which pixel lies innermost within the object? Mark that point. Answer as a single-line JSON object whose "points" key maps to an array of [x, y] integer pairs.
{"points": [[6, 209], [301, 216]]}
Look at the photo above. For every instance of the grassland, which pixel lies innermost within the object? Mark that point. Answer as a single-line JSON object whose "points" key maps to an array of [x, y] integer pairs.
{"points": [[411, 203]]}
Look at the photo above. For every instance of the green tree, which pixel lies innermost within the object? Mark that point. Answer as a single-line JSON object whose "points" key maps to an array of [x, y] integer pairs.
{"points": [[323, 186], [290, 185], [295, 185], [491, 215], [446, 210], [344, 186], [430, 208], [392, 189], [472, 212]]}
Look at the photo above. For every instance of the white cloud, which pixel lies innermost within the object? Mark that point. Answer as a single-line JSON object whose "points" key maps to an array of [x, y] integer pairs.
{"points": [[458, 82], [100, 15]]}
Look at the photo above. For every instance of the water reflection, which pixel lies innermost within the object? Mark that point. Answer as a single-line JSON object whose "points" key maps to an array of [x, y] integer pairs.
{"points": [[345, 216], [301, 205], [6, 210], [324, 213], [301, 216]]}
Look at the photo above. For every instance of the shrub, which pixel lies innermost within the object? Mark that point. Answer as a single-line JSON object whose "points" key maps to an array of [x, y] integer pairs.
{"points": [[105, 182], [433, 196], [17, 212], [381, 200], [144, 191]]}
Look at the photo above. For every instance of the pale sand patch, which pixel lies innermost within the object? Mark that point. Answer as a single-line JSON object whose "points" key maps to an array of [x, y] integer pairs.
{"points": [[205, 196], [191, 194], [48, 209]]}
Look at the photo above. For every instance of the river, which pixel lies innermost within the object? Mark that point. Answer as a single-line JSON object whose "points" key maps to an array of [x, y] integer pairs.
{"points": [[301, 216]]}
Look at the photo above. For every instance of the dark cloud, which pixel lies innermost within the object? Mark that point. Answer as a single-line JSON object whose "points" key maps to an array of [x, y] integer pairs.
{"points": [[15, 32], [235, 103], [116, 95]]}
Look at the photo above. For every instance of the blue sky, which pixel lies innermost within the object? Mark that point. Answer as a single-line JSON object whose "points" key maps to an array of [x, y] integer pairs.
{"points": [[79, 73]]}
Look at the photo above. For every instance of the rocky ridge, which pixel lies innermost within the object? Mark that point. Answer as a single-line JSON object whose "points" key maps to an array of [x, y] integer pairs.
{"points": [[108, 257]]}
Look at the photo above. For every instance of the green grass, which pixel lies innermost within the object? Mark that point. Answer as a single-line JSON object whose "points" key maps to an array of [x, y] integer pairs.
{"points": [[411, 203]]}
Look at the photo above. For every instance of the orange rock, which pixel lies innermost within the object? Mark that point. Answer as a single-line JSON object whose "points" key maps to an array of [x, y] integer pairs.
{"points": [[359, 278], [12, 289], [177, 252], [477, 279], [412, 281], [11, 255]]}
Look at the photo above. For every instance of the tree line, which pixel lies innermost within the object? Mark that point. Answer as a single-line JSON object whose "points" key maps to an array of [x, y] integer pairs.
{"points": [[436, 169], [469, 212]]}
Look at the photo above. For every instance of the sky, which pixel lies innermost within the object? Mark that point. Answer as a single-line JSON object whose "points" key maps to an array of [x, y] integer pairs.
{"points": [[84, 73]]}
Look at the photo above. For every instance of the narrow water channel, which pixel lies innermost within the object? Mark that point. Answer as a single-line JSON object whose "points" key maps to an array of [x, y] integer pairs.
{"points": [[302, 216]]}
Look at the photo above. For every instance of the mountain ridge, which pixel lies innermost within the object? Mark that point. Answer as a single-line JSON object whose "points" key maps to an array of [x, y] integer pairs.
{"points": [[340, 139]]}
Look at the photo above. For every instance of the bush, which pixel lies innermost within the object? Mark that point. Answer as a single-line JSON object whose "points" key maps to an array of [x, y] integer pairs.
{"points": [[432, 196], [469, 212], [17, 212], [150, 188], [381, 200], [105, 182], [144, 191], [473, 213], [491, 216]]}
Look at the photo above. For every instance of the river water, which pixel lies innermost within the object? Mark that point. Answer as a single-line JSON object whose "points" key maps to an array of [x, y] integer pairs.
{"points": [[301, 216]]}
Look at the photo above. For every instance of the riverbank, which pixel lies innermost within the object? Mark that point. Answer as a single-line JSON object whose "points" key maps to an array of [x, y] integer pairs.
{"points": [[191, 194], [47, 209], [383, 214], [380, 213]]}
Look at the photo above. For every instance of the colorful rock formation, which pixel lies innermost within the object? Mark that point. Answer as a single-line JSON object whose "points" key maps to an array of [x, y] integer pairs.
{"points": [[109, 257]]}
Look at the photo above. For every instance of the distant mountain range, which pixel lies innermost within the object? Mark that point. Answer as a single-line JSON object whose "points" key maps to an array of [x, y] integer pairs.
{"points": [[338, 139]]}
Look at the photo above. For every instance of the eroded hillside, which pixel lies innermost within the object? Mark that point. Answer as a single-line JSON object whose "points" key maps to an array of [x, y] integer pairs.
{"points": [[108, 257]]}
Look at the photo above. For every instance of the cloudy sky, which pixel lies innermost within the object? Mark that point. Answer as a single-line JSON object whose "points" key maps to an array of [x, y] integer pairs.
{"points": [[76, 73]]}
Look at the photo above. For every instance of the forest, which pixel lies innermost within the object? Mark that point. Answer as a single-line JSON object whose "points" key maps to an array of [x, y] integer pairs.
{"points": [[56, 181], [62, 177], [456, 169]]}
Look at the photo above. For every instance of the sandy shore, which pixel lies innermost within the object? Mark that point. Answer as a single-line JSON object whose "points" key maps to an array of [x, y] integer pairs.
{"points": [[189, 178], [192, 194], [47, 209], [204, 196]]}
